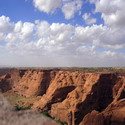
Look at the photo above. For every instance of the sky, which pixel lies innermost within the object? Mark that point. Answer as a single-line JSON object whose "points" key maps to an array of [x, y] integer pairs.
{"points": [[62, 33]]}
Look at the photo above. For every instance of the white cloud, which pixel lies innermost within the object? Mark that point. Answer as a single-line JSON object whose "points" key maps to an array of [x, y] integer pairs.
{"points": [[66, 44], [26, 31], [88, 19], [63, 34], [5, 25], [113, 12], [18, 26], [58, 44], [92, 1], [68, 7], [47, 6], [2, 36]]}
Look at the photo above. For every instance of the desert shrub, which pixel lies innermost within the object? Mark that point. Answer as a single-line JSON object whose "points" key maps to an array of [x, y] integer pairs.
{"points": [[46, 113], [61, 123], [58, 121], [18, 108]]}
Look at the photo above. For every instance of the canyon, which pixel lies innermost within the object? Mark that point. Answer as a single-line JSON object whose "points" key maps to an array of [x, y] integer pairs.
{"points": [[75, 96]]}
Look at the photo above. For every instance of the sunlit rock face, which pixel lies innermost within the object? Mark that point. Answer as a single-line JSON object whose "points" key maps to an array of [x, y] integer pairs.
{"points": [[73, 96]]}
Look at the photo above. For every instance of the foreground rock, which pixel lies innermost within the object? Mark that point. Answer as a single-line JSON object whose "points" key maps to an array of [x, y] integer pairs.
{"points": [[8, 116]]}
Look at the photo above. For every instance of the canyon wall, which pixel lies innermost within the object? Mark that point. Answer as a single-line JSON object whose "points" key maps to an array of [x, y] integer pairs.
{"points": [[74, 96]]}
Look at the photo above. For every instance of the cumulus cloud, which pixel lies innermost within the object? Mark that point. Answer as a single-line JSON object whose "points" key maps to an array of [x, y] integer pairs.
{"points": [[5, 25], [47, 6], [77, 45], [41, 33], [112, 12], [38, 43], [88, 19], [71, 7], [68, 7], [26, 31]]}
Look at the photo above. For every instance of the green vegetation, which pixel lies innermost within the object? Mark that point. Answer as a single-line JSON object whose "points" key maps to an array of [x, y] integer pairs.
{"points": [[86, 69], [58, 121], [22, 108], [99, 69], [46, 113], [24, 103], [20, 101], [61, 123]]}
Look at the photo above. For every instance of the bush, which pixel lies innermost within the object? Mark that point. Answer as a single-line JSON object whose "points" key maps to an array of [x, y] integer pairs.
{"points": [[61, 123], [58, 121], [18, 108], [46, 113]]}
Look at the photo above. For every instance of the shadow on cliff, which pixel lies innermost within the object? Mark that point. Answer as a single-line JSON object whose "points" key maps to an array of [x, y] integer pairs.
{"points": [[10, 79], [99, 99], [5, 84], [45, 83], [62, 93]]}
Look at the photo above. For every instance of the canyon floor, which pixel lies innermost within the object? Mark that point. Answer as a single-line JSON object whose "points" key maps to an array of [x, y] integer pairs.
{"points": [[73, 96]]}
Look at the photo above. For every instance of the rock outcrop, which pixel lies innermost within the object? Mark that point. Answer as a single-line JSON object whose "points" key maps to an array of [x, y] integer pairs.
{"points": [[69, 95]]}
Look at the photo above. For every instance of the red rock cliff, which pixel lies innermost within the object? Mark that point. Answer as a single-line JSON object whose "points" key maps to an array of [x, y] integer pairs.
{"points": [[68, 95], [72, 95]]}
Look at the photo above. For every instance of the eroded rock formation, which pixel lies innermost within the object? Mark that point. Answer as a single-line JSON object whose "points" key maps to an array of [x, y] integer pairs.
{"points": [[114, 114], [35, 83], [27, 82], [69, 95]]}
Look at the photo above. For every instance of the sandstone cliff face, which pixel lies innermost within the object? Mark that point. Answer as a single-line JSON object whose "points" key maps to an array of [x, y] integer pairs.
{"points": [[84, 92], [27, 82], [114, 114], [69, 95], [9, 80], [35, 83]]}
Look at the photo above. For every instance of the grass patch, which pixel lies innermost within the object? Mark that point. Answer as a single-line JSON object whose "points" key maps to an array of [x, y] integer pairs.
{"points": [[20, 101]]}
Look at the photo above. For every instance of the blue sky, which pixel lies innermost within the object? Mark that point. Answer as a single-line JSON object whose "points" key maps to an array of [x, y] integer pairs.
{"points": [[25, 11], [69, 32]]}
